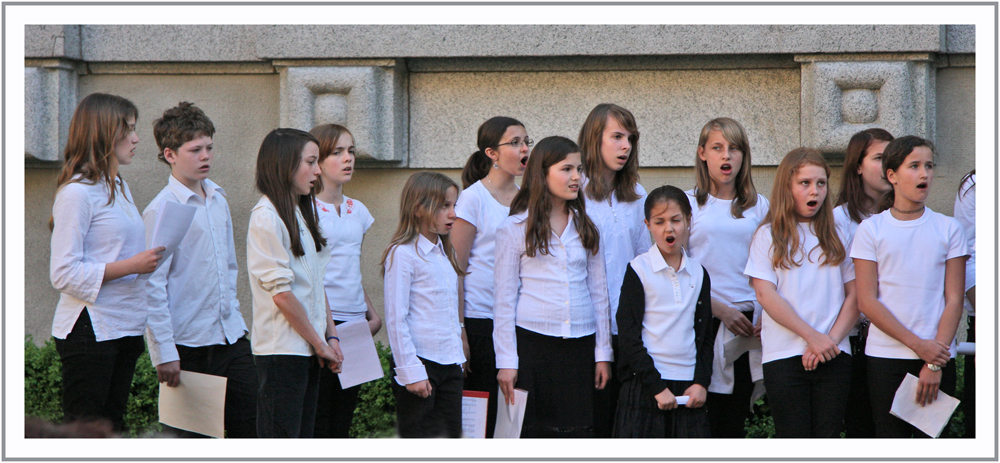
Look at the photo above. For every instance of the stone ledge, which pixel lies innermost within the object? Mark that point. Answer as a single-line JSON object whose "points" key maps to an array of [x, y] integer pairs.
{"points": [[961, 38], [181, 68], [237, 43], [601, 63]]}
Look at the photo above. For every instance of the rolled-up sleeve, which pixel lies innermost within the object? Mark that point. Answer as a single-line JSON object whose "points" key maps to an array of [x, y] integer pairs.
{"points": [[396, 290], [506, 280], [598, 285], [72, 213], [268, 259]]}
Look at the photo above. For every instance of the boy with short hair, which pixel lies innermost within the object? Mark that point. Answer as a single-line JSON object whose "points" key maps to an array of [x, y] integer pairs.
{"points": [[194, 321]]}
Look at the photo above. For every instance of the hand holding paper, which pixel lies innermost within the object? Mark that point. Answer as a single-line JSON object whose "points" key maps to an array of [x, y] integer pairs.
{"points": [[930, 419], [172, 222]]}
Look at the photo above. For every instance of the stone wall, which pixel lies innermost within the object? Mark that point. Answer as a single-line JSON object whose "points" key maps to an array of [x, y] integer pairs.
{"points": [[414, 96]]}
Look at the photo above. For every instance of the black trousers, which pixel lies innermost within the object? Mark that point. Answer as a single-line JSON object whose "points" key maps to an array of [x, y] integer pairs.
{"points": [[858, 422], [235, 363], [286, 395], [97, 376], [808, 403], [482, 374], [728, 413], [969, 383], [884, 377], [438, 415], [606, 400], [334, 407]]}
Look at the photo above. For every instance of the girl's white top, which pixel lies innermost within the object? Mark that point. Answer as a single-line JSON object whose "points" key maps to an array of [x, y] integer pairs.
{"points": [[668, 320], [344, 233], [478, 207], [89, 234], [847, 228], [273, 270], [965, 213], [911, 258], [563, 293], [623, 237], [421, 308], [813, 289], [722, 244]]}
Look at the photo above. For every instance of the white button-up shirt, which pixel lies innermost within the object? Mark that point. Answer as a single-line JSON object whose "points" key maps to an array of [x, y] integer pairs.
{"points": [[563, 293], [623, 237], [273, 270], [89, 233], [192, 296], [421, 309]]}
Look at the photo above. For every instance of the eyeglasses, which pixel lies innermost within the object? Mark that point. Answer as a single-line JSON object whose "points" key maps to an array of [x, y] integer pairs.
{"points": [[516, 143]]}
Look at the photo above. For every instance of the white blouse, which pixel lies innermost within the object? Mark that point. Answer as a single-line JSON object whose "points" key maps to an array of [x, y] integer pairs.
{"points": [[563, 293], [192, 296], [623, 237], [344, 233], [273, 270], [478, 207], [965, 214], [421, 309], [89, 234]]}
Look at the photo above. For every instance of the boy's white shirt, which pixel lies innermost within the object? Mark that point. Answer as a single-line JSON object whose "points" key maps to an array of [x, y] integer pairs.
{"points": [[204, 268]]}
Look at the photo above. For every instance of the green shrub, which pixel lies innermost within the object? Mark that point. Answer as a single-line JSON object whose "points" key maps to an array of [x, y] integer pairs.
{"points": [[376, 412], [760, 425]]}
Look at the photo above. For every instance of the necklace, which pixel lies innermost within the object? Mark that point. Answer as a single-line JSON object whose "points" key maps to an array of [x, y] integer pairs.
{"points": [[492, 190], [919, 209]]}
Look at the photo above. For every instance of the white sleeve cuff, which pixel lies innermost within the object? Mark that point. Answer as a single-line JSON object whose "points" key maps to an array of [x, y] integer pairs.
{"points": [[410, 375]]}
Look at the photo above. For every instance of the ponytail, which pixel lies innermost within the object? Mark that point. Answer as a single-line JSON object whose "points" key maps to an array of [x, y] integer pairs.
{"points": [[476, 168]]}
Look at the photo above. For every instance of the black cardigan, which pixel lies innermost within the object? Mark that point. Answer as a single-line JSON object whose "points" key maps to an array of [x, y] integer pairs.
{"points": [[634, 361]]}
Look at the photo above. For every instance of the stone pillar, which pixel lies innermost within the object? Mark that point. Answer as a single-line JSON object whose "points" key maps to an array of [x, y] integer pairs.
{"points": [[49, 101], [367, 96], [844, 94]]}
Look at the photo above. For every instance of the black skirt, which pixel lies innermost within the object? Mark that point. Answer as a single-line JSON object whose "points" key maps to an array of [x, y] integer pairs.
{"points": [[639, 416], [558, 374]]}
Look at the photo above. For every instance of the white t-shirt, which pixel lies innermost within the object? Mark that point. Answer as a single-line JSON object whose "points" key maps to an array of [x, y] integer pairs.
{"points": [[847, 227], [911, 258], [478, 207], [814, 290], [623, 236], [722, 243], [344, 233], [965, 213]]}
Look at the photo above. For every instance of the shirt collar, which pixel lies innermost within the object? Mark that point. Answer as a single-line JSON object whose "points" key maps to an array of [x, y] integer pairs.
{"points": [[426, 247], [657, 263], [184, 193]]}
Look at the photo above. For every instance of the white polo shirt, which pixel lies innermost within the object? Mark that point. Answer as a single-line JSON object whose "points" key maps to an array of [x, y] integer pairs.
{"points": [[813, 289], [344, 233]]}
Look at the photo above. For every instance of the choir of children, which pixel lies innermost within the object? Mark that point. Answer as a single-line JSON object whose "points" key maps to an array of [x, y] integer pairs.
{"points": [[554, 287]]}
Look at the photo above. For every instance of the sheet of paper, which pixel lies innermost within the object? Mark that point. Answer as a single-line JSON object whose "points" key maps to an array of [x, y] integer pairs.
{"points": [[966, 348], [474, 414], [361, 362], [197, 404], [682, 400], [172, 223], [735, 347], [930, 419], [510, 417]]}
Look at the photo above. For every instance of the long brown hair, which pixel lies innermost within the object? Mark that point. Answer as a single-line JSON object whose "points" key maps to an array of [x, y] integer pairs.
{"points": [[590, 140], [327, 135], [423, 195], [279, 158], [785, 245], [894, 155], [534, 197], [746, 193], [852, 185], [100, 120], [488, 136]]}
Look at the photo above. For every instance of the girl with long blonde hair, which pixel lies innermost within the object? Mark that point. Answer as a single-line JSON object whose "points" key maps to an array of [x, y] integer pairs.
{"points": [[98, 248], [799, 270], [420, 274]]}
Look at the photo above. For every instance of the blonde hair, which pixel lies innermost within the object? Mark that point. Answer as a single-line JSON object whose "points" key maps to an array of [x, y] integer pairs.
{"points": [[590, 140], [100, 121], [785, 245], [746, 193], [423, 195]]}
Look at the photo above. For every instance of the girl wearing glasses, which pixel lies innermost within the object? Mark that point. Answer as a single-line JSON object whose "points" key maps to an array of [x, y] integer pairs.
{"points": [[488, 179], [609, 145]]}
